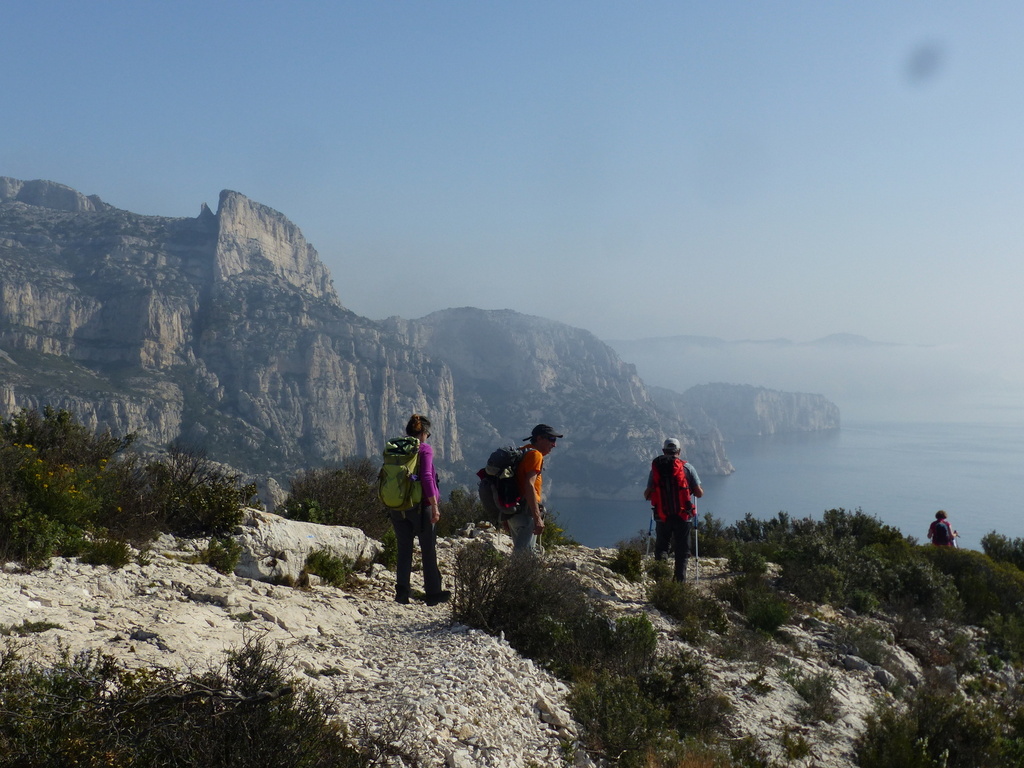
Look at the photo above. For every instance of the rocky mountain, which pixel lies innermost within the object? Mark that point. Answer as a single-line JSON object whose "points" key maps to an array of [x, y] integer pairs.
{"points": [[742, 410], [513, 370], [225, 330]]}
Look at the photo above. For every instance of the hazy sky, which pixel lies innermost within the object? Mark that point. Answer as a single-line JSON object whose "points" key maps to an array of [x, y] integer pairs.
{"points": [[731, 169]]}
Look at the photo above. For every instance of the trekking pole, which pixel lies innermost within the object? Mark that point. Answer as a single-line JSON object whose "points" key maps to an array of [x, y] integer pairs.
{"points": [[696, 546], [650, 533]]}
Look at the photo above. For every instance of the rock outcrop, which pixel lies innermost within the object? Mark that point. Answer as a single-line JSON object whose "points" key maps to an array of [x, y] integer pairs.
{"points": [[741, 410], [224, 330]]}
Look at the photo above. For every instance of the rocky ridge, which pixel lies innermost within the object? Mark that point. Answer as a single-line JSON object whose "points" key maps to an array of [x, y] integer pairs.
{"points": [[743, 410], [505, 364], [447, 694]]}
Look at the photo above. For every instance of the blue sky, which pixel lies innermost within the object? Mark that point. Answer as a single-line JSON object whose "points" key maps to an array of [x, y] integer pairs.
{"points": [[732, 169]]}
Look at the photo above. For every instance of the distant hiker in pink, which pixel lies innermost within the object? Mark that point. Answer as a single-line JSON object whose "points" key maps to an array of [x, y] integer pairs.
{"points": [[941, 532]]}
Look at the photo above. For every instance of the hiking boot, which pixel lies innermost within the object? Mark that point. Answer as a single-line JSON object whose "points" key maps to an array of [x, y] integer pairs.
{"points": [[441, 597], [402, 595]]}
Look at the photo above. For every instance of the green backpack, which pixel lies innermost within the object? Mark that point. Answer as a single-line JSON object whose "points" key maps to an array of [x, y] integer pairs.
{"points": [[398, 486]]}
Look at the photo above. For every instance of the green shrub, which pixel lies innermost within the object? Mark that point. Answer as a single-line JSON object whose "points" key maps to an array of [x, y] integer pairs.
{"points": [[389, 549], [1003, 549], [627, 562], [659, 570], [617, 719], [680, 686], [222, 554], [545, 614], [28, 628], [714, 540], [60, 439], [334, 570], [988, 586], [747, 560], [554, 534], [760, 605], [817, 692], [90, 711], [112, 552], [940, 729], [345, 495], [29, 537], [462, 508], [190, 495], [694, 613]]}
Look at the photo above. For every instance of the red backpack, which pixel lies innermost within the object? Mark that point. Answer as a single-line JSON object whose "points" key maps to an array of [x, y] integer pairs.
{"points": [[670, 494]]}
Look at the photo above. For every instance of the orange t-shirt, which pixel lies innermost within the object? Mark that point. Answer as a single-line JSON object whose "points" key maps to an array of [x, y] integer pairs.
{"points": [[532, 461]]}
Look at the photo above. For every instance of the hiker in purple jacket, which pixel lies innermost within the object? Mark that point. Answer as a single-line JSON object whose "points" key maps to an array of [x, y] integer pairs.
{"points": [[418, 522]]}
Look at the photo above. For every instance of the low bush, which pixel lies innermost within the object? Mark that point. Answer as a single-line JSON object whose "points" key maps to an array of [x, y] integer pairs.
{"points": [[50, 488], [345, 495], [817, 691], [544, 613], [89, 711], [190, 495], [1003, 549], [628, 562], [939, 728], [694, 613], [659, 570], [763, 608], [334, 570], [112, 552], [462, 508], [617, 719], [223, 555]]}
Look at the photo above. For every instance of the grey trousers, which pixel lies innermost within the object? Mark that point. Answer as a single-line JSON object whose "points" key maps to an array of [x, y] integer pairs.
{"points": [[409, 525]]}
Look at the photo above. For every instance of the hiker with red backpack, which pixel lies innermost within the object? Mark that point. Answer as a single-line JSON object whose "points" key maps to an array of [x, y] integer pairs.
{"points": [[941, 532], [671, 487]]}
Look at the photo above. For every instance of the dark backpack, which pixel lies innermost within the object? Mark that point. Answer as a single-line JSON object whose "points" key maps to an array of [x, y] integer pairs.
{"points": [[398, 486], [499, 488], [941, 534]]}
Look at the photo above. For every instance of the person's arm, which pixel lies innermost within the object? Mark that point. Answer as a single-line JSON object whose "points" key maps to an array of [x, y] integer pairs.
{"points": [[533, 503], [428, 481], [694, 481], [650, 486]]}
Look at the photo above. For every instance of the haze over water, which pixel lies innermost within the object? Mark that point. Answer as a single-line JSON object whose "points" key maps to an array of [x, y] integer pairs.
{"points": [[898, 472]]}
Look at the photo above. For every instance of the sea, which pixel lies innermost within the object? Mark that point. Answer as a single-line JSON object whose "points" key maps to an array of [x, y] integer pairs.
{"points": [[899, 472]]}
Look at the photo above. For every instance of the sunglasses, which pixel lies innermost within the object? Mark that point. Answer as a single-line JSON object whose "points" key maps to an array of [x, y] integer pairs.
{"points": [[552, 439]]}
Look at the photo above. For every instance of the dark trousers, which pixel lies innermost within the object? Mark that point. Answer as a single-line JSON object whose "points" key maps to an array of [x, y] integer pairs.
{"points": [[674, 531], [409, 525]]}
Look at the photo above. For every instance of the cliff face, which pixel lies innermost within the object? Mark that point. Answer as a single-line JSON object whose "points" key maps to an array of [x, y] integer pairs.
{"points": [[224, 329], [741, 410], [512, 371]]}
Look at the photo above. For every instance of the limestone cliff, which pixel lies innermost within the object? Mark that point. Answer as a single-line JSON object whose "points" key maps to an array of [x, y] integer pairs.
{"points": [[742, 410], [512, 371], [224, 329]]}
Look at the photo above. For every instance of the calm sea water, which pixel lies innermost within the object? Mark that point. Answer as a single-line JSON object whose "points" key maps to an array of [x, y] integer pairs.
{"points": [[900, 473]]}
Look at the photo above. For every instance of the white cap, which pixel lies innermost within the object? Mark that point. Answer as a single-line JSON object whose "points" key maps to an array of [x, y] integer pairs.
{"points": [[671, 445]]}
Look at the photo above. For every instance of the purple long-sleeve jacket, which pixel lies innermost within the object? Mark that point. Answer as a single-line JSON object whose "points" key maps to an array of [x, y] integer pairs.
{"points": [[428, 477]]}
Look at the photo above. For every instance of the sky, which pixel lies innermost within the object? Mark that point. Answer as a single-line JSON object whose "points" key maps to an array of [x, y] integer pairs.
{"points": [[729, 169]]}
